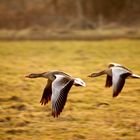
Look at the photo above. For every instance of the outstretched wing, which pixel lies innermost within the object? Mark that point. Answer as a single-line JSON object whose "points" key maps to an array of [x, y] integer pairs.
{"points": [[108, 81], [60, 88], [47, 93], [118, 79]]}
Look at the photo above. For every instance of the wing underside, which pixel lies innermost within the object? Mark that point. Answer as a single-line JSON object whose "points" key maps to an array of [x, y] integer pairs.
{"points": [[60, 89], [118, 79]]}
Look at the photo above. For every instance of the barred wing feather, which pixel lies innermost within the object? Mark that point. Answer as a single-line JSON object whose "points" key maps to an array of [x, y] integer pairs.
{"points": [[60, 88], [118, 79]]}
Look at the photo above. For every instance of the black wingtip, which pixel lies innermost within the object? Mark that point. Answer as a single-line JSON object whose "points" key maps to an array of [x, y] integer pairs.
{"points": [[43, 101], [107, 86], [115, 95], [55, 114]]}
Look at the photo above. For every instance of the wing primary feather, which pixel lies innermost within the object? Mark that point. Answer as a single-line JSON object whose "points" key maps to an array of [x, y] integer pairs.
{"points": [[46, 93], [119, 87], [61, 99], [120, 84], [108, 81]]}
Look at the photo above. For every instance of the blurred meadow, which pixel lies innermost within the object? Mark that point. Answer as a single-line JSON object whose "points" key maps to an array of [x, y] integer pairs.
{"points": [[78, 37], [90, 112]]}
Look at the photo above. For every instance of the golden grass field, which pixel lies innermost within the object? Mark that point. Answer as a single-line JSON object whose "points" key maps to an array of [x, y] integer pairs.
{"points": [[90, 112]]}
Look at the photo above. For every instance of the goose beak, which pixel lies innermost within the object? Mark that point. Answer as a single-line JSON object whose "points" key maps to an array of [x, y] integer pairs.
{"points": [[26, 76], [90, 75]]}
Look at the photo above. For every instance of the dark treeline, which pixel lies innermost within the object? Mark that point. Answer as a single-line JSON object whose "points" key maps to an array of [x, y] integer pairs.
{"points": [[19, 14]]}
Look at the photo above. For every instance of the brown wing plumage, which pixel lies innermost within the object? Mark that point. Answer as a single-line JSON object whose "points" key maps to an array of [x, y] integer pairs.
{"points": [[46, 97], [108, 81]]}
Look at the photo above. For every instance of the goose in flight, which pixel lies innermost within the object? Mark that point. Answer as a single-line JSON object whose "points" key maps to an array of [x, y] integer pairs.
{"points": [[116, 76], [57, 88]]}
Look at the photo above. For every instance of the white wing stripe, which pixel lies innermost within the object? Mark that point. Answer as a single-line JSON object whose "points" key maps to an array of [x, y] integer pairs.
{"points": [[116, 73], [58, 95]]}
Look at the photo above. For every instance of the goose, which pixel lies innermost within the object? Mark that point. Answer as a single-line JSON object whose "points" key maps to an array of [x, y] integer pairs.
{"points": [[57, 89], [116, 76]]}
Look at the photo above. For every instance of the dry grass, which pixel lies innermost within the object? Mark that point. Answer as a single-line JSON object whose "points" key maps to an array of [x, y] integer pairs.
{"points": [[85, 115]]}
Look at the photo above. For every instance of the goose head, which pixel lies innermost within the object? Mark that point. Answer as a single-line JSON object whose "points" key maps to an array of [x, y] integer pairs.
{"points": [[93, 75], [36, 75]]}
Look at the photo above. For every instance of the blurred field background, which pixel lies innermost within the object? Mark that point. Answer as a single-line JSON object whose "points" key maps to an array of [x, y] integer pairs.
{"points": [[61, 19], [78, 37], [90, 113]]}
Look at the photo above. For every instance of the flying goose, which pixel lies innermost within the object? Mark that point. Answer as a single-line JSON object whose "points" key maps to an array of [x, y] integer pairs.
{"points": [[57, 88], [116, 75]]}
